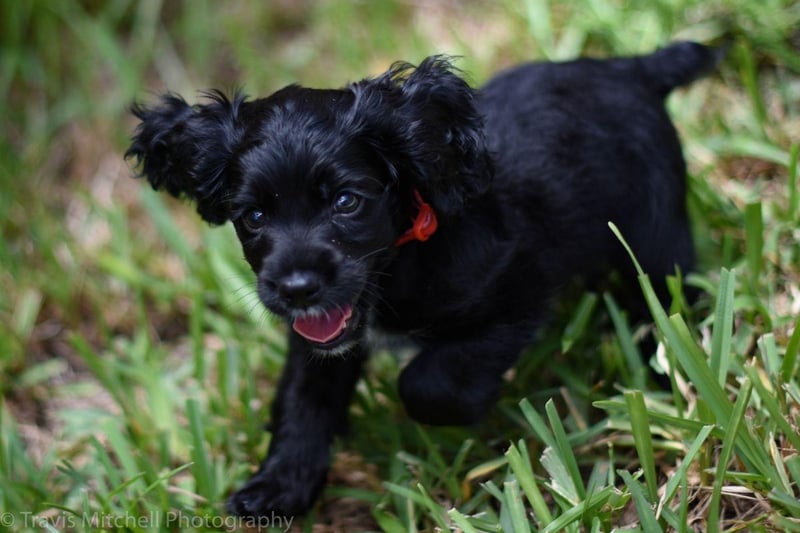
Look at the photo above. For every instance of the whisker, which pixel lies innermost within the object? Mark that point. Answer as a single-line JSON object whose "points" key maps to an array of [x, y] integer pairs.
{"points": [[373, 252]]}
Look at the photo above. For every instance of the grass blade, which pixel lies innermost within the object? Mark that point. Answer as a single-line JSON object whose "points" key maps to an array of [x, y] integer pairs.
{"points": [[633, 357], [515, 508], [769, 355], [644, 511], [752, 452], [574, 514], [643, 440], [459, 520], [767, 394], [723, 326], [164, 222], [391, 524], [674, 482], [201, 468], [564, 450], [669, 420], [790, 357], [728, 442], [524, 474], [537, 423], [485, 468], [123, 453], [540, 24], [790, 503], [435, 511], [754, 241], [794, 193], [694, 363], [561, 481], [580, 319]]}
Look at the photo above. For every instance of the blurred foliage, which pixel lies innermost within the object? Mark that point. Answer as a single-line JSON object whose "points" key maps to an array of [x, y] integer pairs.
{"points": [[131, 342]]}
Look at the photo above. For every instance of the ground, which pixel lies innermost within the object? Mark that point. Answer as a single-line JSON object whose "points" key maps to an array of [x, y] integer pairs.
{"points": [[137, 367]]}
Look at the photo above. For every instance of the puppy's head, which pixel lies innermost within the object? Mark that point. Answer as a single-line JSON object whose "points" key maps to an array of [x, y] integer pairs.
{"points": [[320, 184]]}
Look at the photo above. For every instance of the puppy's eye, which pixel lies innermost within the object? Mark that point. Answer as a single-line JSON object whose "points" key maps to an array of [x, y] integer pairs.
{"points": [[254, 220], [346, 203]]}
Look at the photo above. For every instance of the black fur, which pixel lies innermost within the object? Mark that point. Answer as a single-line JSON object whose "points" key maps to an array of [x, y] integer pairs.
{"points": [[524, 175]]}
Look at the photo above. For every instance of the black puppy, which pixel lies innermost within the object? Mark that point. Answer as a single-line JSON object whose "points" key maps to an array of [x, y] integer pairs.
{"points": [[413, 203]]}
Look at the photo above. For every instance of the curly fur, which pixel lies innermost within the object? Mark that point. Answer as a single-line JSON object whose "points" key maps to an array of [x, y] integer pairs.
{"points": [[523, 173]]}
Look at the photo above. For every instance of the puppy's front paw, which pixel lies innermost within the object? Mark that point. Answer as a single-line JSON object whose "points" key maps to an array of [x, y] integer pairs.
{"points": [[443, 396], [279, 489]]}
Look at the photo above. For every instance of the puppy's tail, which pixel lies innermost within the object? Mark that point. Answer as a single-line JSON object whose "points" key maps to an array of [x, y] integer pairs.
{"points": [[679, 64]]}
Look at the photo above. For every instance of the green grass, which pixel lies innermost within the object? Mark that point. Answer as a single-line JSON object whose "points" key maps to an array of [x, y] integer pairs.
{"points": [[137, 366]]}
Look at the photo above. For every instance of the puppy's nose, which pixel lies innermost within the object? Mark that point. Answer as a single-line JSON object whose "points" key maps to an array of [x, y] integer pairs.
{"points": [[300, 289]]}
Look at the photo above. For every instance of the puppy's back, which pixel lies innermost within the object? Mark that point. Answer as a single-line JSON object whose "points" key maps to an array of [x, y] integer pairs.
{"points": [[584, 142], [659, 72]]}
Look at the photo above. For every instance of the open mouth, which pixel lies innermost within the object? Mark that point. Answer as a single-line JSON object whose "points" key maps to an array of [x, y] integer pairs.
{"points": [[327, 329]]}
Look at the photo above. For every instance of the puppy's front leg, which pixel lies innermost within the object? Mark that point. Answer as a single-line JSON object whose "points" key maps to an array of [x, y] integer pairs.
{"points": [[457, 382], [310, 409]]}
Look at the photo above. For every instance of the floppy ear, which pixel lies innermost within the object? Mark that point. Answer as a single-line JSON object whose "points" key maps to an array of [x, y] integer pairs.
{"points": [[187, 150], [426, 126]]}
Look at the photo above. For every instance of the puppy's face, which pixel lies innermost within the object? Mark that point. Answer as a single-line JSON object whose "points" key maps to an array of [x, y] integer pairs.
{"points": [[316, 209], [319, 184]]}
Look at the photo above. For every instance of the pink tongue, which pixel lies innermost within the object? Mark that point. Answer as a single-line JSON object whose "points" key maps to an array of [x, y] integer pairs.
{"points": [[322, 329]]}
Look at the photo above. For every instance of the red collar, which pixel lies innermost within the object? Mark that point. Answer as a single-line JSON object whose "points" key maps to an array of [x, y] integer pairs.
{"points": [[424, 225]]}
